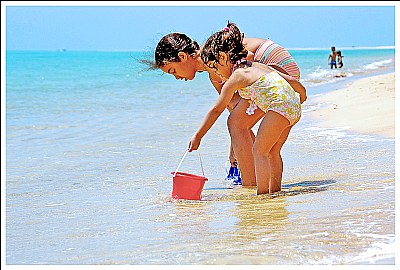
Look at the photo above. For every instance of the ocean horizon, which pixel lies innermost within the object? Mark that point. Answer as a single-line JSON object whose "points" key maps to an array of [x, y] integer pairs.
{"points": [[147, 50]]}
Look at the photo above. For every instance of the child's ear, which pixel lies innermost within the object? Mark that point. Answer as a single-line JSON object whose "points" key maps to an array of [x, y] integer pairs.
{"points": [[223, 57], [182, 56]]}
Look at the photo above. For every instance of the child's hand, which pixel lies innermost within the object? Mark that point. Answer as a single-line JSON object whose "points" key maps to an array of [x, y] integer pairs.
{"points": [[303, 98], [194, 143]]}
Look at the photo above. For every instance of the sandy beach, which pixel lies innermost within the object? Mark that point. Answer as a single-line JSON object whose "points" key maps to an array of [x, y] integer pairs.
{"points": [[365, 106]]}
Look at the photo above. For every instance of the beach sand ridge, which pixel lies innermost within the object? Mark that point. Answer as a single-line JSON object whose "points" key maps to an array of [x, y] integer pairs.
{"points": [[365, 106]]}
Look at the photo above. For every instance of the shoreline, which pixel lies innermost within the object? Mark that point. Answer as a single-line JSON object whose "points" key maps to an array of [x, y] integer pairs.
{"points": [[365, 105]]}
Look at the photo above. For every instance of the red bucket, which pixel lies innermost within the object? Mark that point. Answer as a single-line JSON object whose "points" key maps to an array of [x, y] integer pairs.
{"points": [[187, 186]]}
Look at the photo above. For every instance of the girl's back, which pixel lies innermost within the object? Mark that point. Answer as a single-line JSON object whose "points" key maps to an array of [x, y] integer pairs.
{"points": [[268, 52], [252, 44]]}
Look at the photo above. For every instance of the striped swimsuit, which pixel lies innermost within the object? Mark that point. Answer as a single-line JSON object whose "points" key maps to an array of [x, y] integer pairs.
{"points": [[271, 53]]}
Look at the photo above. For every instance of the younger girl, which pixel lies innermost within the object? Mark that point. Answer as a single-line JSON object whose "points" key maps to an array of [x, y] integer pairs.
{"points": [[266, 94]]}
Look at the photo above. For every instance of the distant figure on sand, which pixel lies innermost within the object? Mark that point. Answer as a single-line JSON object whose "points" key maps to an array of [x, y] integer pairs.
{"points": [[266, 94], [332, 58]]}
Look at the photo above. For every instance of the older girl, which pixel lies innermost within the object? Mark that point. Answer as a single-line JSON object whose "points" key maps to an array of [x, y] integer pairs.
{"points": [[266, 94]]}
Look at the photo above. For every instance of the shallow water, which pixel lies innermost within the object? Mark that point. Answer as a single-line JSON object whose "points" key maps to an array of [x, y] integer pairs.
{"points": [[88, 178], [337, 204]]}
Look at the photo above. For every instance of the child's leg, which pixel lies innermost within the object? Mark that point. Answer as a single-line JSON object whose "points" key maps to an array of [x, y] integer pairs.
{"points": [[276, 162], [269, 132], [240, 124], [232, 157]]}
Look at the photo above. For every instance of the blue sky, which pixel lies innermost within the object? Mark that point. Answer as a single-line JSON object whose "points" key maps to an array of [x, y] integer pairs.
{"points": [[140, 25]]}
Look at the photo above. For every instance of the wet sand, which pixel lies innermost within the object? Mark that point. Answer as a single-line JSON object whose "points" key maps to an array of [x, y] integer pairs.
{"points": [[364, 106]]}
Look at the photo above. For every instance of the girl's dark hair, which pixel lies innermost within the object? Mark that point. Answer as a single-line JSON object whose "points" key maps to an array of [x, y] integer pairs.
{"points": [[228, 40], [170, 45]]}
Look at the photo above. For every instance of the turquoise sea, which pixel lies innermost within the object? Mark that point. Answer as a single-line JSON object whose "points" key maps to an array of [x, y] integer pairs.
{"points": [[92, 139]]}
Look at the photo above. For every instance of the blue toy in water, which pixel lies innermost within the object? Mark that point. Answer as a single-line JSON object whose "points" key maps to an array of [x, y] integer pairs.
{"points": [[233, 177]]}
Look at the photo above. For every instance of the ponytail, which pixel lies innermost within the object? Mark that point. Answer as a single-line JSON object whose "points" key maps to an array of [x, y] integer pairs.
{"points": [[228, 40]]}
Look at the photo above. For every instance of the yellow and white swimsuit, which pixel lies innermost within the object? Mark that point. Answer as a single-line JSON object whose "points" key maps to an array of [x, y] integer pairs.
{"points": [[271, 92]]}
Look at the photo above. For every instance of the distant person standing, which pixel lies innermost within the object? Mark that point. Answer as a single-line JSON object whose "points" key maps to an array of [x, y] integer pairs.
{"points": [[340, 64], [340, 59], [332, 58]]}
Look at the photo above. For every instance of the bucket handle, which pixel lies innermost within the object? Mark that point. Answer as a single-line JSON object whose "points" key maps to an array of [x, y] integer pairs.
{"points": [[180, 163]]}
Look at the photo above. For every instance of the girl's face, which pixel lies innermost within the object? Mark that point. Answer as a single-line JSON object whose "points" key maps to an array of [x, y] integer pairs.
{"points": [[183, 70]]}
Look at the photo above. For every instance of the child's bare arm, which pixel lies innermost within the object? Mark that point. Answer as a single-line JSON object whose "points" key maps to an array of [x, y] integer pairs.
{"points": [[227, 92]]}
